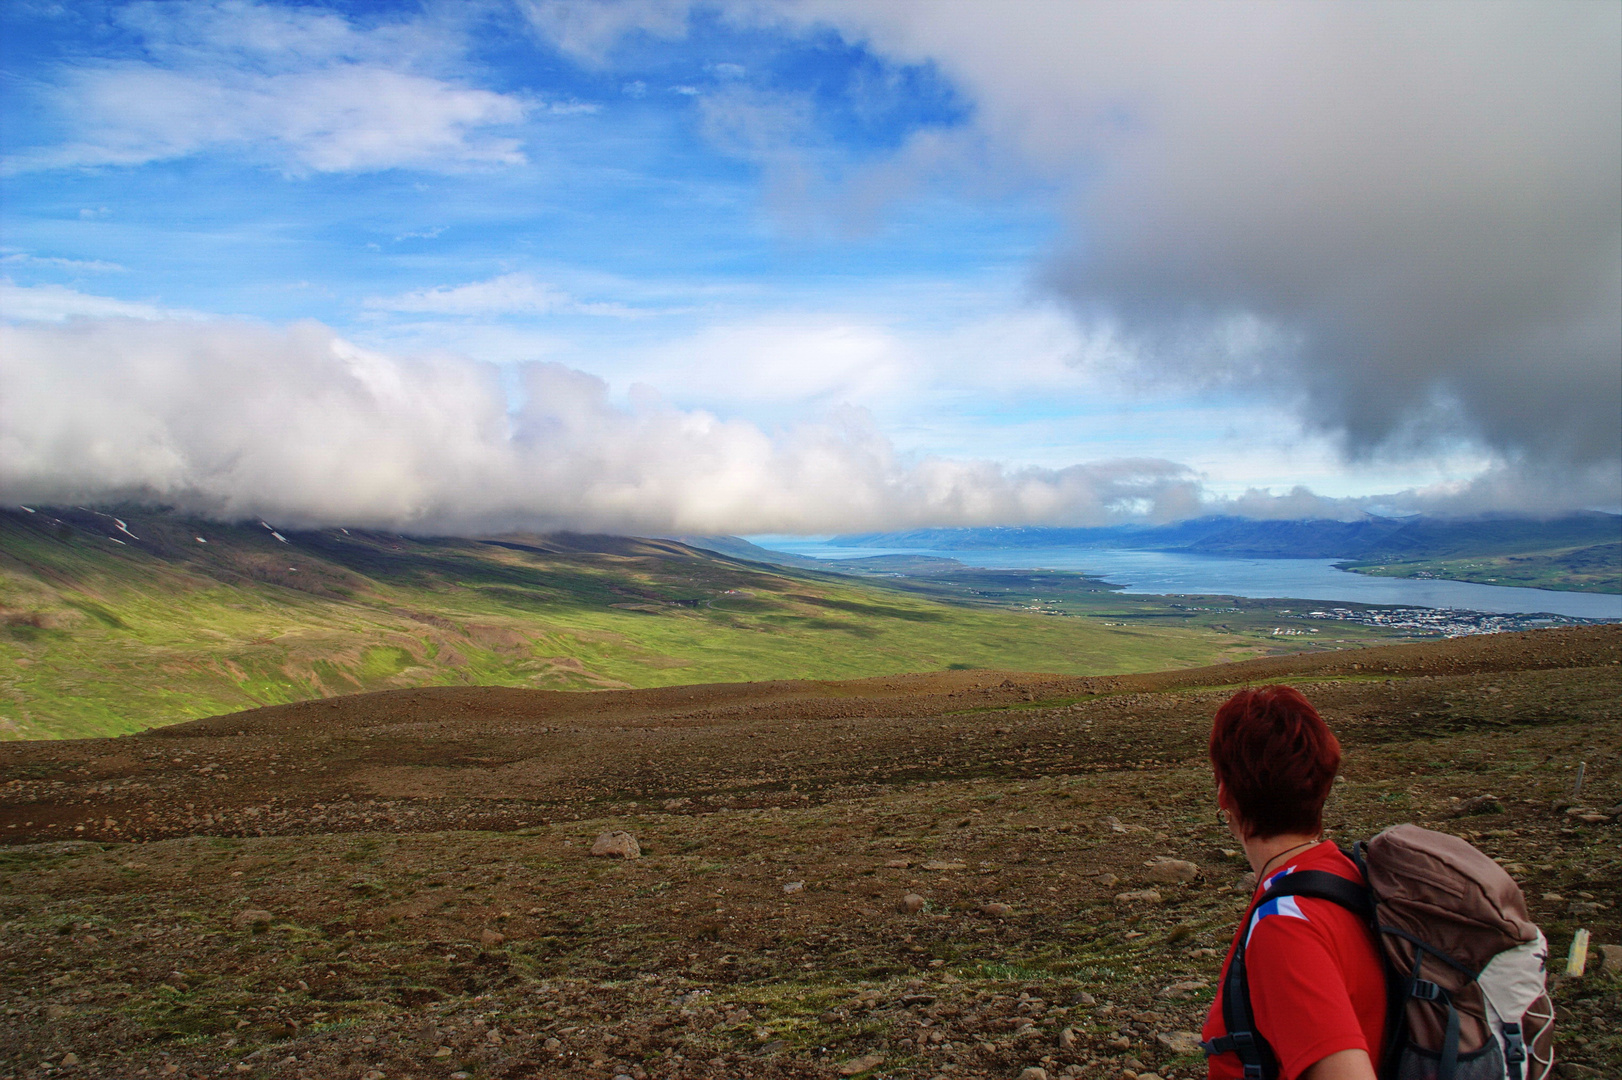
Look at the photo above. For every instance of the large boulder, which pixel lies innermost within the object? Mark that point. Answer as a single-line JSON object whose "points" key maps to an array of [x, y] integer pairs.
{"points": [[616, 844]]}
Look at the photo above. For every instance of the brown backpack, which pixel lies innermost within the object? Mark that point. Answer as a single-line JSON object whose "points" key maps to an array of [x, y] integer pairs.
{"points": [[1465, 966]]}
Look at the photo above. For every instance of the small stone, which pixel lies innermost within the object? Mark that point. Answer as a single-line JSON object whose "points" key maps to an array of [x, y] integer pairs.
{"points": [[996, 911], [244, 1067], [1139, 896], [493, 1038], [911, 904], [616, 844], [1107, 881], [1170, 871], [375, 1074], [551, 1046], [943, 864], [69, 1060], [1067, 1039], [491, 939], [1084, 998], [794, 887], [1583, 907], [251, 917], [1481, 804], [443, 1052], [1034, 1072], [1179, 1042], [1609, 958], [898, 864], [56, 1012], [856, 1066], [1553, 898]]}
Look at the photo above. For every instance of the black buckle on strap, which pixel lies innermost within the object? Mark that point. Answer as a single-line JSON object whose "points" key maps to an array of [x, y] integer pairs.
{"points": [[1425, 990], [1514, 1045]]}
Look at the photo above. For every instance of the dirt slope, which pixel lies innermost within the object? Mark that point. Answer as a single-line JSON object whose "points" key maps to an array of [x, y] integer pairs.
{"points": [[430, 906]]}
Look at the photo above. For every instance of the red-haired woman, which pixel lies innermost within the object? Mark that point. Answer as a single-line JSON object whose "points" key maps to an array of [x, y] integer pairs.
{"points": [[1317, 988]]}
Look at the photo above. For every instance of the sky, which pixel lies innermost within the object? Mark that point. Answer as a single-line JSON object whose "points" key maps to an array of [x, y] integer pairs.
{"points": [[810, 266]]}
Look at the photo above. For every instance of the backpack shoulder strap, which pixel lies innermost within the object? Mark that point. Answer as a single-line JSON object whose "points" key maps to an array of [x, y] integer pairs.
{"points": [[1322, 885], [1242, 1038]]}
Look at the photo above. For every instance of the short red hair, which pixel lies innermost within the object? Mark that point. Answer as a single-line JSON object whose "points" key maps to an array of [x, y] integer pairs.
{"points": [[1276, 758]]}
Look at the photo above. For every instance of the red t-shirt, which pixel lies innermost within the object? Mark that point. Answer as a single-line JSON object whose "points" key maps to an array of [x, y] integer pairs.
{"points": [[1317, 986]]}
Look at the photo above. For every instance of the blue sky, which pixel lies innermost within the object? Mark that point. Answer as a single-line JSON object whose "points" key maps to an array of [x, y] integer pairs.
{"points": [[805, 266]]}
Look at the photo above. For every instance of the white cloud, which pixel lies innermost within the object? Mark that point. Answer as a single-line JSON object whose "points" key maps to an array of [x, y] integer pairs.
{"points": [[296, 87], [97, 266], [589, 31], [508, 294], [299, 425], [55, 303]]}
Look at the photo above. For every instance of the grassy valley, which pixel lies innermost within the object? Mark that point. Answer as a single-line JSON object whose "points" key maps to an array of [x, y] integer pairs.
{"points": [[116, 620]]}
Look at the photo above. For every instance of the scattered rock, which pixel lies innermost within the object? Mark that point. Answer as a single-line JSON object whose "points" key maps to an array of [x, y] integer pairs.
{"points": [[1582, 907], [1084, 998], [856, 1066], [251, 917], [1067, 1039], [1170, 871], [898, 864], [996, 911], [1107, 881], [1034, 1072], [942, 864], [1481, 804], [793, 887], [1184, 989], [1179, 1042], [616, 844], [551, 1046], [1139, 896], [56, 1012], [443, 1052], [911, 904], [1609, 958], [68, 1060], [491, 939]]}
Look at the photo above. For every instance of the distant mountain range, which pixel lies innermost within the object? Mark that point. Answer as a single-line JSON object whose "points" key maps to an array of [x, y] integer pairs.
{"points": [[1371, 539]]}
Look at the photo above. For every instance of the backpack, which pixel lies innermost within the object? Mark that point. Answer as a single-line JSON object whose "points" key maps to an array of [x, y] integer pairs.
{"points": [[1464, 964]]}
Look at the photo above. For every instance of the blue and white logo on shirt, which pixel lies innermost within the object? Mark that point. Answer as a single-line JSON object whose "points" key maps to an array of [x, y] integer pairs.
{"points": [[1283, 905]]}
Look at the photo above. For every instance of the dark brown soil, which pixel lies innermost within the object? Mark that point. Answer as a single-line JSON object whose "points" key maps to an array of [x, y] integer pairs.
{"points": [[390, 836]]}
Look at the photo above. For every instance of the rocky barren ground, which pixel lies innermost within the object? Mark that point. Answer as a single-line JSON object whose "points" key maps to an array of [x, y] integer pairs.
{"points": [[401, 885]]}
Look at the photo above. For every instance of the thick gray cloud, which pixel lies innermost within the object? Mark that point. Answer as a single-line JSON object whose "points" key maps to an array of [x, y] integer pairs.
{"points": [[297, 425], [1400, 218]]}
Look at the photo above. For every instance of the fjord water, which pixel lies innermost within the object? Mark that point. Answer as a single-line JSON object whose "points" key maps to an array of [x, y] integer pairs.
{"points": [[1163, 572]]}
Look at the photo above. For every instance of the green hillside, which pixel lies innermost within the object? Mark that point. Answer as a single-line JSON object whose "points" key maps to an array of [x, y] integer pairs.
{"points": [[110, 629], [1591, 568]]}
